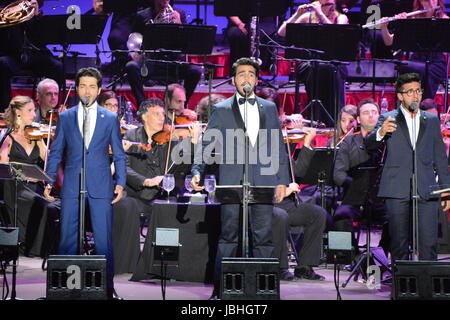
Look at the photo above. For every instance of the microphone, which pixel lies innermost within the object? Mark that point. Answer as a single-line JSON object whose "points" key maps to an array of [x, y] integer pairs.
{"points": [[413, 106], [85, 101], [247, 89]]}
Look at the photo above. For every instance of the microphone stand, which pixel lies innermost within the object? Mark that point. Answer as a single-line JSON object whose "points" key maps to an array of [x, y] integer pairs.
{"points": [[415, 194], [245, 184], [83, 191]]}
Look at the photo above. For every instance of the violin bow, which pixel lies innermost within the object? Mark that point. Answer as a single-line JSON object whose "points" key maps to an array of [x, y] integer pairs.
{"points": [[290, 164], [170, 141]]}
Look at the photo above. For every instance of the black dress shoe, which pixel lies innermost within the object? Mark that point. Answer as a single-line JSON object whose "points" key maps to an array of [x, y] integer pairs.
{"points": [[112, 295], [286, 275], [307, 272]]}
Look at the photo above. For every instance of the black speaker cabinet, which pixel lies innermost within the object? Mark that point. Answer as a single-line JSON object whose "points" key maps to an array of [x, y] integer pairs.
{"points": [[9, 244], [421, 280], [250, 279], [76, 277]]}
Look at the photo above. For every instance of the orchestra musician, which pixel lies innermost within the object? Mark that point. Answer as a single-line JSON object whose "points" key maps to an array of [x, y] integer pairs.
{"points": [[346, 122], [310, 216], [101, 130], [324, 12], [396, 130], [36, 217], [47, 97], [436, 71], [22, 52], [160, 11], [352, 155], [202, 108]]}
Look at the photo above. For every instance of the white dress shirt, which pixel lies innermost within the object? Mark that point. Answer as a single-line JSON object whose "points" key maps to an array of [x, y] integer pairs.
{"points": [[409, 122], [92, 114], [252, 124]]}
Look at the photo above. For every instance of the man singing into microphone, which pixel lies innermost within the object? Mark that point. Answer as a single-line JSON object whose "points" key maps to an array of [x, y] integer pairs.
{"points": [[264, 138], [405, 130], [98, 129]]}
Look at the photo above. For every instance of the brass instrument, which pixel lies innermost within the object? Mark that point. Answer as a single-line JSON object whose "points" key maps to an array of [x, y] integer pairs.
{"points": [[165, 16], [16, 13], [385, 20]]}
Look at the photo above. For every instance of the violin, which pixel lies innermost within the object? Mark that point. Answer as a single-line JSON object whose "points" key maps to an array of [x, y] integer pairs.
{"points": [[35, 133], [297, 135], [167, 134], [125, 127], [187, 116], [288, 120]]}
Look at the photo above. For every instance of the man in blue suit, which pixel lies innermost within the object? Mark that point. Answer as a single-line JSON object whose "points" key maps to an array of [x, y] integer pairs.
{"points": [[226, 130], [101, 131], [404, 131]]}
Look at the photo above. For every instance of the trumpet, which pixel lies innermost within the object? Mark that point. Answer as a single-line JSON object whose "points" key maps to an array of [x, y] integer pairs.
{"points": [[386, 20]]}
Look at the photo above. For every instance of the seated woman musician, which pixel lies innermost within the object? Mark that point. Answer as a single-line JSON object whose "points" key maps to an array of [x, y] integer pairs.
{"points": [[323, 12], [436, 71], [36, 217]]}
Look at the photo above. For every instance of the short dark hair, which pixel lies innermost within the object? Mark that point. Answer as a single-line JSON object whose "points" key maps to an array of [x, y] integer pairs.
{"points": [[406, 78], [147, 104], [244, 62], [268, 93], [89, 72], [104, 96], [366, 101], [171, 88]]}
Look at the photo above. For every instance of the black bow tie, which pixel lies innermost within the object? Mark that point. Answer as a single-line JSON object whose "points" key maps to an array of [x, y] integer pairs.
{"points": [[250, 100]]}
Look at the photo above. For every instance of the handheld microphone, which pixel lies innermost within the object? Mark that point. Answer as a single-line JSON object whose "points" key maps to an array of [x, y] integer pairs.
{"points": [[247, 89], [85, 101], [413, 106]]}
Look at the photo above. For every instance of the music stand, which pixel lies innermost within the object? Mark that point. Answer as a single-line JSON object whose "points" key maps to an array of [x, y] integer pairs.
{"points": [[188, 39], [340, 42], [129, 6], [19, 172], [423, 35], [53, 30], [359, 193], [320, 171]]}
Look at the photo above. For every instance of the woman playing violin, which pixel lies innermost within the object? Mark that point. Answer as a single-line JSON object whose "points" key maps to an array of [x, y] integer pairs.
{"points": [[36, 216], [346, 122]]}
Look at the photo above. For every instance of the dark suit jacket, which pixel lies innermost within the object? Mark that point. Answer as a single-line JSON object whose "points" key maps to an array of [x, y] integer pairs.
{"points": [[225, 119], [431, 158]]}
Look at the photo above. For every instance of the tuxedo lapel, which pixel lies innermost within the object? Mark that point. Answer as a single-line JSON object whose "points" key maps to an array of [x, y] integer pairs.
{"points": [[422, 126], [237, 114], [401, 122], [99, 124], [262, 114]]}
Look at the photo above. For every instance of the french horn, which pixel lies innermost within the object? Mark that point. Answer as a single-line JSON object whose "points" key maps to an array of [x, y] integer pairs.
{"points": [[16, 13]]}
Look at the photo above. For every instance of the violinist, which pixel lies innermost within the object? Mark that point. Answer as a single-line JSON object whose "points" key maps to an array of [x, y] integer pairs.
{"points": [[36, 216], [346, 123], [146, 168], [47, 96], [429, 105], [176, 100], [109, 100], [351, 155], [203, 106]]}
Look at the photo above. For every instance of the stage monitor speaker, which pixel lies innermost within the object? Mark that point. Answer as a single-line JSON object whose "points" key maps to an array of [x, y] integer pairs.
{"points": [[250, 279], [421, 280], [9, 244], [76, 277]]}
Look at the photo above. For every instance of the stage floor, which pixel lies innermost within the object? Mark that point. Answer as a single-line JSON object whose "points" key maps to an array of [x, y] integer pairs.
{"points": [[31, 284]]}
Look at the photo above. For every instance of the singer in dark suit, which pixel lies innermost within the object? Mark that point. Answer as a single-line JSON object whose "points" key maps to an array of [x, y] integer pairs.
{"points": [[227, 119], [102, 131], [404, 130]]}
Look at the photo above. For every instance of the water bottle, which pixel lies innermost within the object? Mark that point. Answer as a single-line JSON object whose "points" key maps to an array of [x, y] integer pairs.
{"points": [[384, 106], [128, 113]]}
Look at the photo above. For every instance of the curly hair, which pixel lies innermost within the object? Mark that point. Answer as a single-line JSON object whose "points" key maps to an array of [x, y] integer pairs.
{"points": [[17, 103]]}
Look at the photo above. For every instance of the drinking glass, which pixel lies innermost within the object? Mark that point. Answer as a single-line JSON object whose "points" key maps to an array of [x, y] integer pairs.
{"points": [[210, 185], [168, 184]]}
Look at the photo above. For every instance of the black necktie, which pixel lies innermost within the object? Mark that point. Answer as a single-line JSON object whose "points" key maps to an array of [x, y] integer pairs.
{"points": [[250, 100]]}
